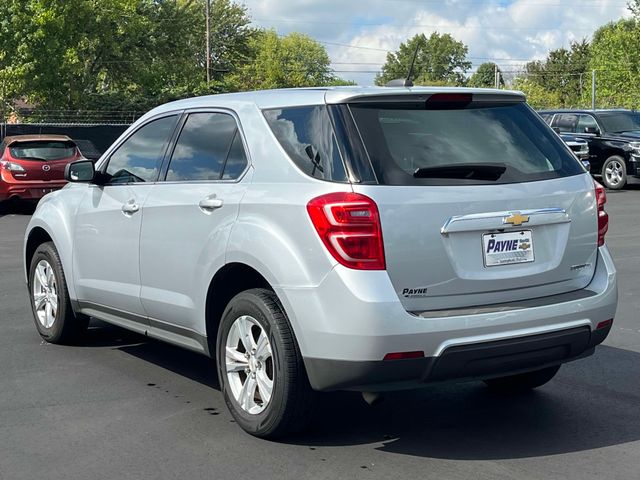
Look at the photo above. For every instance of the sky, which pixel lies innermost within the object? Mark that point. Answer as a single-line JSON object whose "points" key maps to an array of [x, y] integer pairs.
{"points": [[358, 35]]}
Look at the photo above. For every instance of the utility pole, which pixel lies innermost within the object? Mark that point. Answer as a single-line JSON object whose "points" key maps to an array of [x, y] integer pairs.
{"points": [[496, 77], [593, 90], [207, 11]]}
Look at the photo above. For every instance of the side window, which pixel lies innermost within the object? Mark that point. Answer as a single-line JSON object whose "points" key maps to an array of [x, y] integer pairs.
{"points": [[586, 121], [236, 160], [306, 134], [138, 159], [204, 144], [566, 122]]}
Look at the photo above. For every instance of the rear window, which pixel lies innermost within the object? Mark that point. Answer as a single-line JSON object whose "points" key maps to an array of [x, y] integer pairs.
{"points": [[476, 143], [306, 134], [42, 151]]}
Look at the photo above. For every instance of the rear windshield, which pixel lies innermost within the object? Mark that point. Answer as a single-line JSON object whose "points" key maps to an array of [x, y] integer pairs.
{"points": [[420, 144], [42, 151], [620, 122]]}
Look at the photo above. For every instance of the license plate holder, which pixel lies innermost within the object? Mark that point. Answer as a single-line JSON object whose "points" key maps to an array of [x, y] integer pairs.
{"points": [[507, 248]]}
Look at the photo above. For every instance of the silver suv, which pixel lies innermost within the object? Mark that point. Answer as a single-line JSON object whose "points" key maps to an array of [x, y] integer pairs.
{"points": [[365, 239]]}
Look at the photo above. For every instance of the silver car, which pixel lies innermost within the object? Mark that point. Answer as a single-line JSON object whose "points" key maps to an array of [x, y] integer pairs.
{"points": [[309, 240]]}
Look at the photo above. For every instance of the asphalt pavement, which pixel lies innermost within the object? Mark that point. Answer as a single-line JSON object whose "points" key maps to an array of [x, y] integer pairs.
{"points": [[124, 407]]}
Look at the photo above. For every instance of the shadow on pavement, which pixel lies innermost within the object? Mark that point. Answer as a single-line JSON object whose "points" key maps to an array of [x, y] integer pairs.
{"points": [[175, 359], [592, 403], [13, 207]]}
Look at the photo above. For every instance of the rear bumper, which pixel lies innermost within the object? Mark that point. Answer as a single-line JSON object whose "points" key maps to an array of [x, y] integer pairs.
{"points": [[460, 363], [347, 324], [28, 190]]}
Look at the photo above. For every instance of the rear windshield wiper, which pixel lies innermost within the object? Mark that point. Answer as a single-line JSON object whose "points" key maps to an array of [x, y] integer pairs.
{"points": [[469, 171]]}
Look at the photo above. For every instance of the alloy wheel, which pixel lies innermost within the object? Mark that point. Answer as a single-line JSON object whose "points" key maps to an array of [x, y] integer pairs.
{"points": [[45, 294], [614, 173], [249, 364]]}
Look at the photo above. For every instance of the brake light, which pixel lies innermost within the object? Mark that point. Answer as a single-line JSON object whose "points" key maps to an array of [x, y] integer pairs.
{"points": [[603, 217], [349, 226]]}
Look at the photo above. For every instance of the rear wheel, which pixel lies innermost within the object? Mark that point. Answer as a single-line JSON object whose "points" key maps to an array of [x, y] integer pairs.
{"points": [[50, 303], [522, 381], [260, 368], [614, 173]]}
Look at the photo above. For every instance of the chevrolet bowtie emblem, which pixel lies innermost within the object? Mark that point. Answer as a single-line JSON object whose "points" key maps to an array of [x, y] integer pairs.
{"points": [[516, 219]]}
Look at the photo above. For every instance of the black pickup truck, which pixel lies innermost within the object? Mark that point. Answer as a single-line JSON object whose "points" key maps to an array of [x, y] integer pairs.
{"points": [[613, 137]]}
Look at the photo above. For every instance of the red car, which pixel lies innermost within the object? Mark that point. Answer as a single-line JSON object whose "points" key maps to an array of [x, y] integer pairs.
{"points": [[33, 165]]}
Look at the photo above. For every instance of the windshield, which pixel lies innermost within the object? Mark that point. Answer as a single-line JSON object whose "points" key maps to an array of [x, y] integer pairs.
{"points": [[42, 150], [616, 122], [417, 144]]}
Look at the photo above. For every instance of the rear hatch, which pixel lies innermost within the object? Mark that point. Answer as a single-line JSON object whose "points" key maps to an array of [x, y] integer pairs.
{"points": [[480, 202], [42, 160]]}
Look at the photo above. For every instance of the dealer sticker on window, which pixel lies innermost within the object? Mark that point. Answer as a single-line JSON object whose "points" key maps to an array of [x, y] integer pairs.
{"points": [[507, 248]]}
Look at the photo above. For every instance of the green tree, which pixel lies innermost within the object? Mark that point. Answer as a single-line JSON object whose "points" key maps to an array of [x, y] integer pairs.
{"points": [[615, 55], [295, 60], [564, 72], [128, 54], [440, 59], [537, 96], [485, 76]]}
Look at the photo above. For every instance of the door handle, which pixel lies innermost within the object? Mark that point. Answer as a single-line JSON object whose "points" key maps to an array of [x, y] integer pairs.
{"points": [[209, 204], [130, 207]]}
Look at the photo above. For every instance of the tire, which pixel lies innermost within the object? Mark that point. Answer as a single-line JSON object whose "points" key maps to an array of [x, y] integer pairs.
{"points": [[287, 407], [614, 173], [523, 381], [53, 315]]}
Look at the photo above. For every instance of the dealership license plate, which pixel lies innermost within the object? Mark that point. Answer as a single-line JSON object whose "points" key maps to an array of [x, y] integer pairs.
{"points": [[507, 248]]}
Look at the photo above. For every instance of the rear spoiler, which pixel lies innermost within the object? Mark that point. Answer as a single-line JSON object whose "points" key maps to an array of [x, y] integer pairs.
{"points": [[491, 96]]}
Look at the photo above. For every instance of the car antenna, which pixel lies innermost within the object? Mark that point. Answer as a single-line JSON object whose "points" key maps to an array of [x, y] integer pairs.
{"points": [[406, 82]]}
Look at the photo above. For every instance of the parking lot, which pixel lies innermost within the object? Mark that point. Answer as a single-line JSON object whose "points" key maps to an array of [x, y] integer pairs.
{"points": [[121, 406]]}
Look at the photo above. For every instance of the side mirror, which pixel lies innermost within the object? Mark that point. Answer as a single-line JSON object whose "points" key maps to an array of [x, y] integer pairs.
{"points": [[80, 171], [592, 130]]}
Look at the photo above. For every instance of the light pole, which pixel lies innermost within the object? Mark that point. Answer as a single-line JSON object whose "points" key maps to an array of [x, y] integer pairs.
{"points": [[207, 10]]}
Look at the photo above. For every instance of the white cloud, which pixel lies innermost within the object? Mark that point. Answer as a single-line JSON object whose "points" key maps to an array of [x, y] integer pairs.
{"points": [[507, 32]]}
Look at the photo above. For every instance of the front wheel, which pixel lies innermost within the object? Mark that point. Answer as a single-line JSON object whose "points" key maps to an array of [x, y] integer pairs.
{"points": [[260, 368], [522, 381], [614, 173], [50, 303]]}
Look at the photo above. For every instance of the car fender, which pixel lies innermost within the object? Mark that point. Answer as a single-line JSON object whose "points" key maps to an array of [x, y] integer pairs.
{"points": [[55, 217]]}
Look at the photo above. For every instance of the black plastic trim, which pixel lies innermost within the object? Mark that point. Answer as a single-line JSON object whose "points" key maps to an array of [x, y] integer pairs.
{"points": [[463, 362]]}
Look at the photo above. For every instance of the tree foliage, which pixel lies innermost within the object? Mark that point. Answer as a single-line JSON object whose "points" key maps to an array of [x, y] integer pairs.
{"points": [[441, 59], [537, 96], [563, 73], [485, 76], [295, 60], [134, 54], [615, 55]]}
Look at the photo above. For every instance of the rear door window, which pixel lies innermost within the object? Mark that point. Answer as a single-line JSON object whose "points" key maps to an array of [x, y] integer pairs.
{"points": [[206, 142], [416, 144], [306, 135]]}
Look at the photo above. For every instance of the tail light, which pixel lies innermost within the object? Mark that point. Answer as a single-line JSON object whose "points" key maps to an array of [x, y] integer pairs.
{"points": [[11, 167], [349, 226], [603, 217]]}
